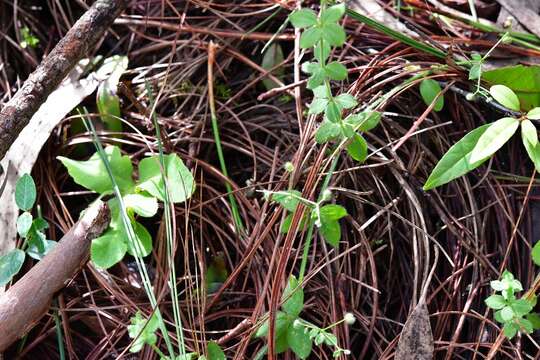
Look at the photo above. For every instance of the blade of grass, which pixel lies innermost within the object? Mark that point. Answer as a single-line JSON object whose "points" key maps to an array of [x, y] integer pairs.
{"points": [[59, 335], [215, 129], [396, 35]]}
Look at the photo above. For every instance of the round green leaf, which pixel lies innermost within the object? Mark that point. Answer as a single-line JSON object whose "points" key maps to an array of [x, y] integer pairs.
{"points": [[327, 131], [336, 71], [333, 14], [215, 352], [10, 265], [25, 192], [299, 341], [334, 34], [144, 238], [35, 253], [303, 18], [494, 138], [505, 96], [293, 298], [108, 249], [310, 37], [429, 89], [143, 205], [331, 232], [358, 148], [24, 223], [495, 302], [534, 114]]}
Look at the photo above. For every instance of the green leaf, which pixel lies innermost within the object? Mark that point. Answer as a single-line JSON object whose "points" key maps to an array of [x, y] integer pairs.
{"points": [[215, 352], [333, 112], [331, 232], [316, 79], [25, 192], [143, 331], [364, 121], [108, 249], [507, 313], [272, 57], [282, 322], [141, 204], [10, 265], [505, 96], [144, 238], [534, 114], [292, 298], [494, 138], [108, 102], [322, 51], [495, 302], [333, 14], [93, 175], [180, 181], [282, 344], [289, 199], [35, 253], [334, 34], [456, 162], [332, 212], [303, 18], [521, 307], [317, 106], [536, 253], [475, 72], [526, 325], [336, 71], [534, 318], [40, 224], [346, 101], [299, 341], [429, 89], [327, 131], [36, 238], [24, 223], [357, 148], [286, 225], [528, 132], [310, 37], [523, 80], [510, 329]]}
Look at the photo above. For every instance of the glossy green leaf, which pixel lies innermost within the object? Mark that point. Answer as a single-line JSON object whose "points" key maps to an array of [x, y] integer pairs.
{"points": [[299, 341], [310, 37], [272, 57], [523, 80], [332, 212], [143, 237], [289, 199], [357, 148], [24, 223], [215, 352], [331, 232], [108, 249], [282, 322], [494, 138], [534, 114], [429, 89], [93, 175], [10, 265], [475, 72], [327, 131], [456, 162], [141, 204], [536, 253], [528, 132], [364, 121], [495, 302], [25, 192], [507, 313], [303, 18], [181, 184], [293, 298], [505, 96]]}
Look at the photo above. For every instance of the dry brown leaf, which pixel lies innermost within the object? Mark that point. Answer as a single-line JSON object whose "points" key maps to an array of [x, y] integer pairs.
{"points": [[416, 340]]}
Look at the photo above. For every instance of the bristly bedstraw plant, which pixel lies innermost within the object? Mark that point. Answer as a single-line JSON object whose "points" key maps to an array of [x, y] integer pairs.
{"points": [[140, 198]]}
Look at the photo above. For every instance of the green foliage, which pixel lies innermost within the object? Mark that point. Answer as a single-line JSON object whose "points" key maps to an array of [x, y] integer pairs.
{"points": [[142, 331], [108, 102], [325, 217], [429, 90], [140, 198], [272, 57], [28, 228], [515, 314], [28, 39], [480, 144], [523, 80]]}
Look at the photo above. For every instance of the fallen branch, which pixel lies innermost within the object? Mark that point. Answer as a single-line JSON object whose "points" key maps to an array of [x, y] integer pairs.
{"points": [[28, 300], [79, 40]]}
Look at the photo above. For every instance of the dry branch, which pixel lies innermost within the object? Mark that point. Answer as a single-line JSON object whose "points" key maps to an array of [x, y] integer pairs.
{"points": [[28, 300], [79, 40]]}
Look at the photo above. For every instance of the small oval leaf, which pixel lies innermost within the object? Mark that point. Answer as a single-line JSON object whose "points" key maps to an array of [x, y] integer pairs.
{"points": [[429, 89], [505, 96], [494, 138]]}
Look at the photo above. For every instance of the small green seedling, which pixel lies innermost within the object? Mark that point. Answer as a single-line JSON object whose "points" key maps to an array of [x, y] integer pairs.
{"points": [[108, 101], [143, 331], [31, 230], [325, 217], [480, 144], [292, 332], [140, 198], [515, 314], [322, 32], [28, 40]]}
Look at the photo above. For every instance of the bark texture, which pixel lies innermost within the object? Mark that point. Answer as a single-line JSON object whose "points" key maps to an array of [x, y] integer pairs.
{"points": [[79, 40], [28, 300]]}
